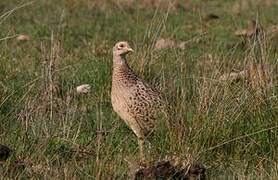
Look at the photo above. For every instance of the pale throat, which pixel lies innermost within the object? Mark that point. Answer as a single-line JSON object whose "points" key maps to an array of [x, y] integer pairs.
{"points": [[119, 60]]}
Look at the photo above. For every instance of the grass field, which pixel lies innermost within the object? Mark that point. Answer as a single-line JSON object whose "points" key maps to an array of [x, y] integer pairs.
{"points": [[230, 127]]}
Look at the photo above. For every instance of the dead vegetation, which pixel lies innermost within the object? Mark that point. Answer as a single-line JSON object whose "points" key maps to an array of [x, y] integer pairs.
{"points": [[258, 75], [167, 43], [257, 72]]}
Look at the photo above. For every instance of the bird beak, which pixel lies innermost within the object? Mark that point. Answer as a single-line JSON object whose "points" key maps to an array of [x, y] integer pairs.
{"points": [[130, 50]]}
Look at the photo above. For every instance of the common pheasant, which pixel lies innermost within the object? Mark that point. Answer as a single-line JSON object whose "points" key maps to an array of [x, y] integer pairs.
{"points": [[135, 101]]}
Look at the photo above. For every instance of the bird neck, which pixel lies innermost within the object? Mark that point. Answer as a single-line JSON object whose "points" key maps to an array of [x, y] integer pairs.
{"points": [[119, 62], [122, 75]]}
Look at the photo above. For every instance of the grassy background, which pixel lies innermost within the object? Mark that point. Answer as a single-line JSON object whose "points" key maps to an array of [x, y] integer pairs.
{"points": [[230, 127]]}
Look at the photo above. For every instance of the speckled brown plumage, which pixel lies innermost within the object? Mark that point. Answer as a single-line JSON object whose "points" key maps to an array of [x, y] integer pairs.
{"points": [[136, 102]]}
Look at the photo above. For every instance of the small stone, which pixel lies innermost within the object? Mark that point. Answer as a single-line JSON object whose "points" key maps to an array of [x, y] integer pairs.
{"points": [[23, 37], [83, 89]]}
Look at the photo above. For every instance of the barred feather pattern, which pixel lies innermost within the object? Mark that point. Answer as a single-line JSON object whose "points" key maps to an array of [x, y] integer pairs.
{"points": [[136, 102]]}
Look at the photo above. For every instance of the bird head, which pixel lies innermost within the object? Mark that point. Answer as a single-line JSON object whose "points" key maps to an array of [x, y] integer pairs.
{"points": [[121, 48]]}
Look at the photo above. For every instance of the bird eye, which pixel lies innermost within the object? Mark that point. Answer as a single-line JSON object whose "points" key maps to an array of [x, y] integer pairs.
{"points": [[121, 45]]}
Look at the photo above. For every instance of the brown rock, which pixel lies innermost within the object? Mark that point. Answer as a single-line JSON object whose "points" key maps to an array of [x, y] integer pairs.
{"points": [[5, 152]]}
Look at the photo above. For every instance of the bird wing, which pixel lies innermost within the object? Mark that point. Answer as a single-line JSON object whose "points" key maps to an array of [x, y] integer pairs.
{"points": [[145, 105]]}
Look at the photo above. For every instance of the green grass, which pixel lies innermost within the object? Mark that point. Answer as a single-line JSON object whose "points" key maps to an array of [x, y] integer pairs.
{"points": [[230, 128]]}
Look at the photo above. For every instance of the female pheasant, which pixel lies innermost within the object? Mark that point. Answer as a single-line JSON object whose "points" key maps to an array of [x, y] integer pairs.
{"points": [[136, 102]]}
